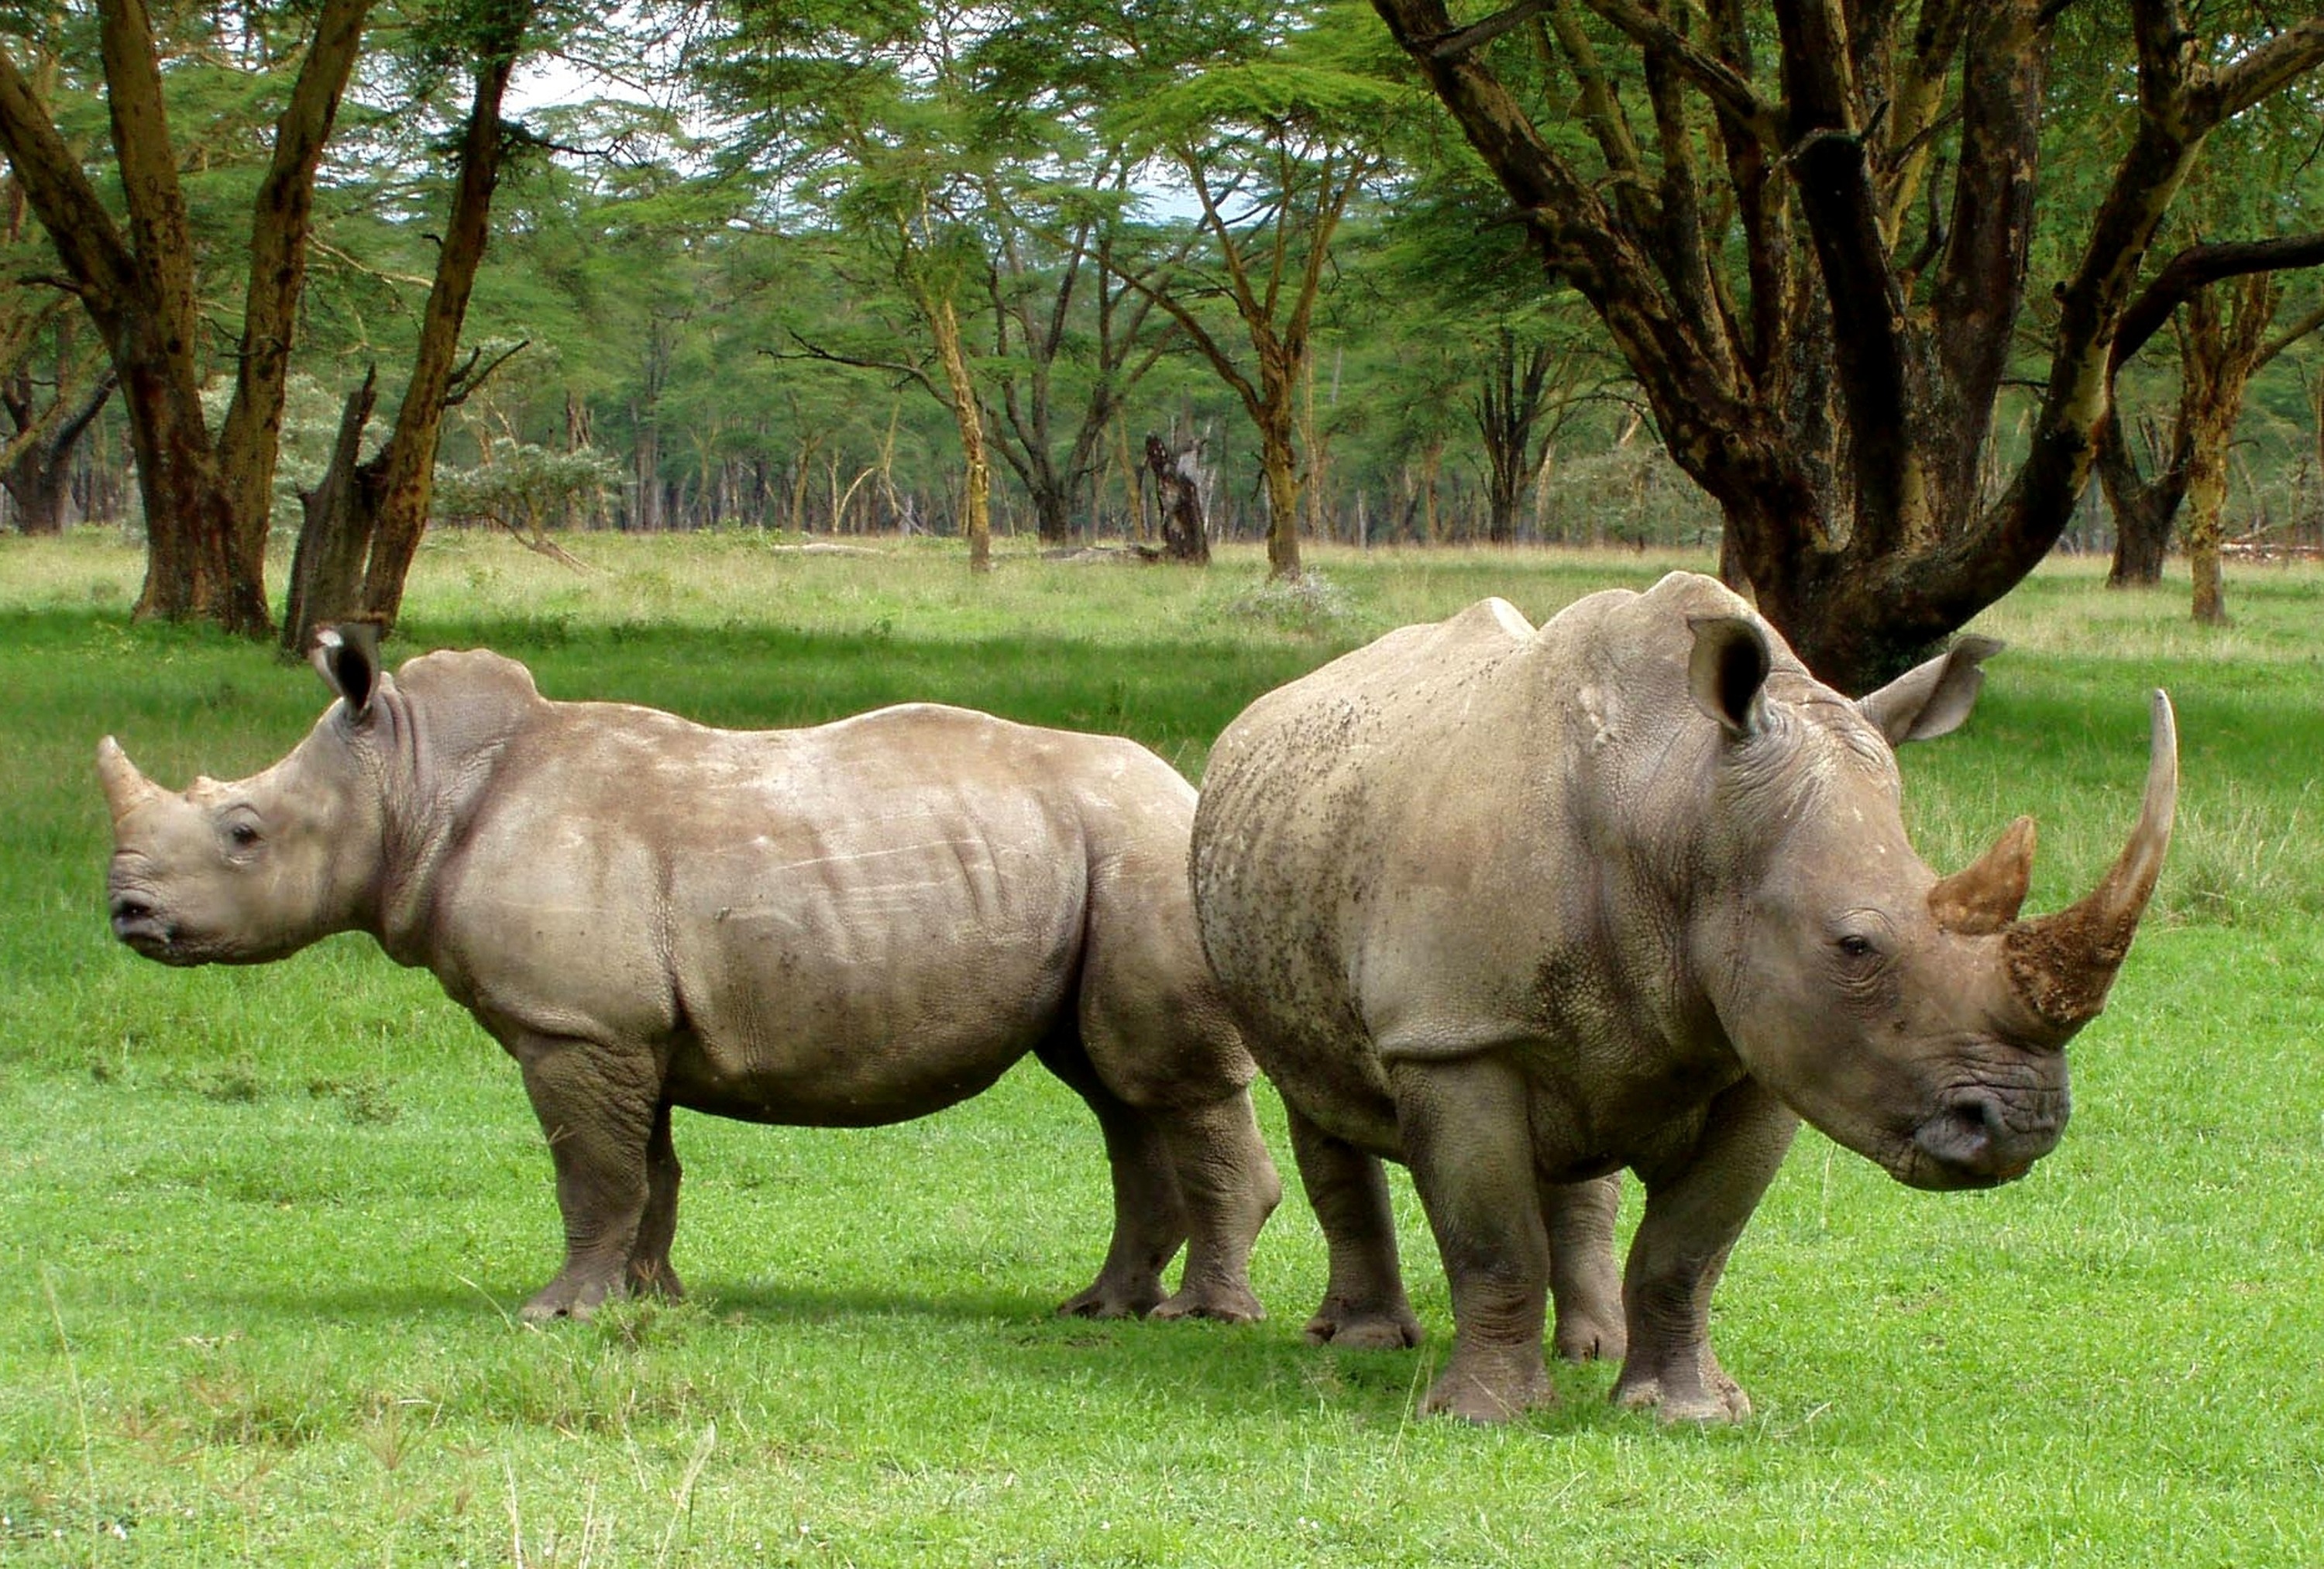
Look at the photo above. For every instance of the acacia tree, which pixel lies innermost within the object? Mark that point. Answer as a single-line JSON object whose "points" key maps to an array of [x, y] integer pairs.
{"points": [[2219, 353], [2220, 297], [1275, 129], [1811, 247], [46, 415], [52, 386], [869, 116], [1069, 289], [206, 497]]}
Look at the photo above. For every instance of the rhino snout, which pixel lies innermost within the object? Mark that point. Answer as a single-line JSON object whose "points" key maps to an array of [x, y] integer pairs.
{"points": [[1980, 1137], [137, 922]]}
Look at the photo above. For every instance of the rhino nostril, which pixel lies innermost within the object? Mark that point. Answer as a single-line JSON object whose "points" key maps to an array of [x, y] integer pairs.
{"points": [[1969, 1126], [1980, 1118]]}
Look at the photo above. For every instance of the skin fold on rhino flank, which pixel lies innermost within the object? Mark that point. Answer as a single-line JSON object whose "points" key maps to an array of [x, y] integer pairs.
{"points": [[1523, 908], [850, 925]]}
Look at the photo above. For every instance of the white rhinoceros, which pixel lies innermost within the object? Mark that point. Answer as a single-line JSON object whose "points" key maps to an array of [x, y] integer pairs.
{"points": [[1524, 907], [844, 925]]}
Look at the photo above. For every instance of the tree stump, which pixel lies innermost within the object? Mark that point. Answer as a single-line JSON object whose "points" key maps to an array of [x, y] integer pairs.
{"points": [[1178, 498]]}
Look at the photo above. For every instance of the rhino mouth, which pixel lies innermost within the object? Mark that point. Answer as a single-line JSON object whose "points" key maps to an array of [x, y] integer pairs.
{"points": [[1978, 1137], [142, 926]]}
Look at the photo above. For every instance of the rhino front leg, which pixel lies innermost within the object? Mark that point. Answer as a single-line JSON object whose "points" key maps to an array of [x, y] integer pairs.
{"points": [[1230, 1188], [1149, 1213], [599, 1111], [1697, 1204], [1585, 1285], [1465, 1132], [1364, 1306]]}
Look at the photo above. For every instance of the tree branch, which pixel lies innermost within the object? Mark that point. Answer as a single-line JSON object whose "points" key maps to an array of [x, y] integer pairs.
{"points": [[1720, 82], [81, 230], [2273, 65], [465, 381], [2306, 324], [810, 350], [2198, 267]]}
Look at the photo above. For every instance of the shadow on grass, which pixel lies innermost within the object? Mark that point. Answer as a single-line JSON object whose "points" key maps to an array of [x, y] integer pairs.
{"points": [[1015, 1340]]}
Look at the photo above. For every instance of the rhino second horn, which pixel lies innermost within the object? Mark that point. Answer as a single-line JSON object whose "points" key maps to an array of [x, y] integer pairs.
{"points": [[1984, 896], [2061, 966], [126, 790]]}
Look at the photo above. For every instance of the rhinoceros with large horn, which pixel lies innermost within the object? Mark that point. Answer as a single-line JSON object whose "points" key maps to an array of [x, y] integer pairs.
{"points": [[843, 926], [1521, 908]]}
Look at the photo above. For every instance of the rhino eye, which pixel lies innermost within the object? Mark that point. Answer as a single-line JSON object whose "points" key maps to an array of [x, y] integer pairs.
{"points": [[241, 836], [1856, 947]]}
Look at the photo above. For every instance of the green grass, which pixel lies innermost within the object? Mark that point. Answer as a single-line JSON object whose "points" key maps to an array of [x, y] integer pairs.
{"points": [[262, 1230]]}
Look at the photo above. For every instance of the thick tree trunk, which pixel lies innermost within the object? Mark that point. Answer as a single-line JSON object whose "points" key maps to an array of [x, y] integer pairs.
{"points": [[205, 502], [1278, 456], [2206, 498], [38, 483], [2218, 351]]}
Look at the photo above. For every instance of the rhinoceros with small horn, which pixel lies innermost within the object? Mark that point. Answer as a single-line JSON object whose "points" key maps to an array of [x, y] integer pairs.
{"points": [[844, 925], [1521, 908]]}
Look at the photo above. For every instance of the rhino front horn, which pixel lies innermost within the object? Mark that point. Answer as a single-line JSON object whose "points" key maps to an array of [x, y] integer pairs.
{"points": [[2061, 966], [126, 790]]}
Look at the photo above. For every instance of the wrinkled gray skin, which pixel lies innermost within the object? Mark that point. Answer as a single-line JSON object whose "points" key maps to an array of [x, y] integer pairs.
{"points": [[839, 927], [1521, 908]]}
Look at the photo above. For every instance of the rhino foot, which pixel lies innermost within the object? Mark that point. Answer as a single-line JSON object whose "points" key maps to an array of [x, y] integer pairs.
{"points": [[1714, 1399], [1497, 1387], [1227, 1304], [1107, 1299], [1390, 1327], [1587, 1337], [567, 1297], [650, 1278]]}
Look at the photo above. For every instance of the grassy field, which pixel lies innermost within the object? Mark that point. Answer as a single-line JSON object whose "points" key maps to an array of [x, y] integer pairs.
{"points": [[261, 1232]]}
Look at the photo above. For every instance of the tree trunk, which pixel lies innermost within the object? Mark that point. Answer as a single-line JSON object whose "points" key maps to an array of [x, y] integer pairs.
{"points": [[2207, 496], [1178, 497], [38, 483], [2144, 509], [1278, 458], [341, 517], [205, 500], [37, 471], [968, 417], [2218, 351], [408, 464], [1506, 410]]}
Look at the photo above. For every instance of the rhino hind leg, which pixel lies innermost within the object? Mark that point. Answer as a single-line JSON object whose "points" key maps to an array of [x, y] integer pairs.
{"points": [[1230, 1187], [1149, 1212], [600, 1125], [1364, 1306], [1465, 1133], [1585, 1285], [650, 1272]]}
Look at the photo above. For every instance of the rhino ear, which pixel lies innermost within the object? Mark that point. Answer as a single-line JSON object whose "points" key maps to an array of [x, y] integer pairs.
{"points": [[1932, 698], [347, 659], [1727, 670]]}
